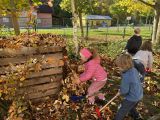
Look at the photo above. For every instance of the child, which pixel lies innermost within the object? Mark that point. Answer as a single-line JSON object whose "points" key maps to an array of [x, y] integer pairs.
{"points": [[134, 43], [94, 72], [145, 55], [130, 88]]}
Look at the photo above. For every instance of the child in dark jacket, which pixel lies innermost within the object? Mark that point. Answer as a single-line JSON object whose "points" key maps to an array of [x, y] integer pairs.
{"points": [[131, 88], [134, 43]]}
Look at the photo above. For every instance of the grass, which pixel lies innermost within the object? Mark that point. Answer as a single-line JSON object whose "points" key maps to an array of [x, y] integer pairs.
{"points": [[146, 32], [111, 33]]}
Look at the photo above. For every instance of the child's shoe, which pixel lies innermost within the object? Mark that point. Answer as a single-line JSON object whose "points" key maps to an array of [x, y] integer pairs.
{"points": [[91, 100], [91, 103], [101, 96], [139, 118]]}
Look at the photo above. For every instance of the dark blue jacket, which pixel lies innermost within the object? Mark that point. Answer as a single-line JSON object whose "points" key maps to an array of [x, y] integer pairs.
{"points": [[134, 44]]}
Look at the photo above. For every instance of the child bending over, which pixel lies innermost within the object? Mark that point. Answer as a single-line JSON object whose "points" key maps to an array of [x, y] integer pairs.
{"points": [[94, 72]]}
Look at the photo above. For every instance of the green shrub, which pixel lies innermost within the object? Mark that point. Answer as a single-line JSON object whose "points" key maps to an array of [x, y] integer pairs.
{"points": [[111, 48]]}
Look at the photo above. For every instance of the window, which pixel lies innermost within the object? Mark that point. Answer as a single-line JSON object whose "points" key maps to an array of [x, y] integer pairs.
{"points": [[5, 19]]}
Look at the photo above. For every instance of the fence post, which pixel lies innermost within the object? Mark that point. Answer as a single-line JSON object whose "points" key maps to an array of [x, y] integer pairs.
{"points": [[87, 30]]}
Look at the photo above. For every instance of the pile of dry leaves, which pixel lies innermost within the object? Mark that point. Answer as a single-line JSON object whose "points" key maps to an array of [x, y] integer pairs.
{"points": [[32, 40], [64, 108]]}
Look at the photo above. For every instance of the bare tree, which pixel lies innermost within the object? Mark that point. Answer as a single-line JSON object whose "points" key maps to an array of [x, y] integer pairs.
{"points": [[75, 24]]}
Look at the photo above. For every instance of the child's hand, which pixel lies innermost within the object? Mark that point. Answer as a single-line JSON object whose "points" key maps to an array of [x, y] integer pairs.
{"points": [[75, 76], [78, 81], [80, 68], [148, 70]]}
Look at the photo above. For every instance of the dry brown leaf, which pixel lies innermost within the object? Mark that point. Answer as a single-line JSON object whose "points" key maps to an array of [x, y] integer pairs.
{"points": [[65, 97]]}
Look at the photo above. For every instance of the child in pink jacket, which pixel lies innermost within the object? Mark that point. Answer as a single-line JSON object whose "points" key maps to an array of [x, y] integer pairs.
{"points": [[94, 72]]}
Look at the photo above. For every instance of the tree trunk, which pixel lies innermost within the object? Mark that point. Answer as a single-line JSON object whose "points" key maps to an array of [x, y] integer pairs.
{"points": [[158, 22], [150, 24], [15, 23], [117, 24], [158, 33], [75, 25], [155, 26], [140, 21], [14, 18], [81, 24], [147, 19]]}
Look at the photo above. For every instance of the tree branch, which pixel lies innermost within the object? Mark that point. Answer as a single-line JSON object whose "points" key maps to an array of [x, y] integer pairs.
{"points": [[146, 3], [6, 9]]}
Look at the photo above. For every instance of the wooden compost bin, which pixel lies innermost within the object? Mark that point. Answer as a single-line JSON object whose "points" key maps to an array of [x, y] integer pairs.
{"points": [[41, 84]]}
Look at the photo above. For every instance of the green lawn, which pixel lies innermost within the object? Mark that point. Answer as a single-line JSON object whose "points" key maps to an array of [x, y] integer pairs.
{"points": [[100, 32]]}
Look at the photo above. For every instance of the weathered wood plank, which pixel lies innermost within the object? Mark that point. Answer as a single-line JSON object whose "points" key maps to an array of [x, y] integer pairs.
{"points": [[46, 72], [37, 81], [42, 80], [7, 52], [57, 63], [23, 59], [42, 99], [43, 94], [38, 88]]}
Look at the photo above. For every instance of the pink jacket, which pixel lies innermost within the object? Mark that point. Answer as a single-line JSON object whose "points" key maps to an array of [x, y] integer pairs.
{"points": [[94, 71]]}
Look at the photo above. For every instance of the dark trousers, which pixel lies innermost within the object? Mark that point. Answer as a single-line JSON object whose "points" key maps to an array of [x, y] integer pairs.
{"points": [[127, 107]]}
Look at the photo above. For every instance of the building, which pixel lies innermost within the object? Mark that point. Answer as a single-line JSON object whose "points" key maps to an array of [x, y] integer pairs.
{"points": [[43, 16], [95, 21]]}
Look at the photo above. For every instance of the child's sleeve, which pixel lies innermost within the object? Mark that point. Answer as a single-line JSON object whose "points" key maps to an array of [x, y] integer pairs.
{"points": [[127, 45], [150, 60], [124, 88], [88, 73]]}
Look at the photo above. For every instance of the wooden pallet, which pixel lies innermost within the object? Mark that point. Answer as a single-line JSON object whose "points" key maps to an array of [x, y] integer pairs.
{"points": [[41, 84]]}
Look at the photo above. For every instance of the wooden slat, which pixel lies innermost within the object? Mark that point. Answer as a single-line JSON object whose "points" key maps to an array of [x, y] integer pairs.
{"points": [[19, 60], [46, 72], [37, 81], [57, 63], [43, 94], [42, 80], [7, 52], [39, 88], [42, 99]]}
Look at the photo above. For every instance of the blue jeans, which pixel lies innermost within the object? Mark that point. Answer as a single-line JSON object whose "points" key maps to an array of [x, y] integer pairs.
{"points": [[127, 107]]}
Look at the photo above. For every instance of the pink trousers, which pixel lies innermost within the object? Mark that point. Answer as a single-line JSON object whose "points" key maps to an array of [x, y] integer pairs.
{"points": [[93, 89]]}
